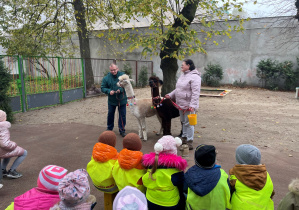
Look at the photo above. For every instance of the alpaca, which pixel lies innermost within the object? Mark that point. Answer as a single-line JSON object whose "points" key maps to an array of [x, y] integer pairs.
{"points": [[164, 107], [140, 108]]}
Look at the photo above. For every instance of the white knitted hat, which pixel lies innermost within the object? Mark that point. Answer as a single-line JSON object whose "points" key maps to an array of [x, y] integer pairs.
{"points": [[168, 144]]}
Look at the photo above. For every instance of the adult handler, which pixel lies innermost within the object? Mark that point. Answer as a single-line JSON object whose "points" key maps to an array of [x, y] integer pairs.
{"points": [[116, 98]]}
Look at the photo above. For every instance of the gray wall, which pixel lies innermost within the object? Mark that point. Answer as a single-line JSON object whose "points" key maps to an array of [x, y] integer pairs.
{"points": [[263, 38]]}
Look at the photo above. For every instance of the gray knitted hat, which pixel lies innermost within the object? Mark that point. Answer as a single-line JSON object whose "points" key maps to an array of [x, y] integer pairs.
{"points": [[248, 154]]}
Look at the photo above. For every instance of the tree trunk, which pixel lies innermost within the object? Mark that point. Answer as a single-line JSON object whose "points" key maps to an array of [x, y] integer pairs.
{"points": [[168, 65], [83, 40]]}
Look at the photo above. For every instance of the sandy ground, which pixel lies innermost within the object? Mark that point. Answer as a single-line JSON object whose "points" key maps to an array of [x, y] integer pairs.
{"points": [[251, 115]]}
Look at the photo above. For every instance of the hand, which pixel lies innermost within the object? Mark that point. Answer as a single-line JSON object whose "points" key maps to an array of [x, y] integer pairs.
{"points": [[118, 91], [112, 92], [167, 96], [191, 109]]}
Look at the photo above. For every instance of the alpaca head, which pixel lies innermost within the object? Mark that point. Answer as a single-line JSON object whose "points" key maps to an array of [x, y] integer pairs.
{"points": [[154, 81], [124, 80]]}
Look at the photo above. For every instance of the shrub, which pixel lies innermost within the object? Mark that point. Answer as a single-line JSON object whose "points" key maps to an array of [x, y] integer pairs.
{"points": [[269, 73], [239, 83], [127, 69], [5, 79], [290, 76], [142, 77], [213, 75]]}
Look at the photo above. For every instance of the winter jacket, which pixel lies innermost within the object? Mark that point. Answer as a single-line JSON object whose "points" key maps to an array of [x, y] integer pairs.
{"points": [[187, 90], [100, 167], [253, 187], [291, 200], [207, 188], [36, 199], [128, 170], [110, 83], [165, 189], [8, 148]]}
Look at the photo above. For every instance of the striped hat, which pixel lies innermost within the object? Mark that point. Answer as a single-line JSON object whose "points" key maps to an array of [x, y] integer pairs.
{"points": [[50, 176]]}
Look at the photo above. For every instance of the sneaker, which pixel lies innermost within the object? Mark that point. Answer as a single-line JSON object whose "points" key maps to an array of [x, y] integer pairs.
{"points": [[1, 185], [184, 141], [123, 134], [14, 174], [4, 173]]}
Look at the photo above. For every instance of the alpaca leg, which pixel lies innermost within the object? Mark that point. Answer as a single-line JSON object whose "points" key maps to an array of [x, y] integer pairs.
{"points": [[140, 128], [161, 128], [143, 126], [166, 126]]}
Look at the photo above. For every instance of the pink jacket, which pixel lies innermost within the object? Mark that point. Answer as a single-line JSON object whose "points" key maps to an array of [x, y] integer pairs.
{"points": [[8, 148], [187, 90], [36, 199]]}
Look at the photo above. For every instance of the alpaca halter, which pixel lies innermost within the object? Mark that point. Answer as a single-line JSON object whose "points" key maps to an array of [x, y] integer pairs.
{"points": [[132, 99]]}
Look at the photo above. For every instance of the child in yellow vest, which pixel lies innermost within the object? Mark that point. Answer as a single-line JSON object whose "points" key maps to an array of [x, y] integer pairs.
{"points": [[128, 169], [104, 156], [208, 184], [165, 176], [250, 181]]}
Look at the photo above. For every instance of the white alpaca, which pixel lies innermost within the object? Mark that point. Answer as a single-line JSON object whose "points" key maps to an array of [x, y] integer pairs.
{"points": [[140, 108]]}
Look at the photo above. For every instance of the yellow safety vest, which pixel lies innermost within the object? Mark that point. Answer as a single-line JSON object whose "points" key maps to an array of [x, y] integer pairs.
{"points": [[128, 177], [217, 199], [101, 175], [245, 198], [161, 191]]}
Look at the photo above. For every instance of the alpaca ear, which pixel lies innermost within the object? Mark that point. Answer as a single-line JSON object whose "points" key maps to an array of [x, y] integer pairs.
{"points": [[131, 80], [161, 82], [158, 148], [178, 141]]}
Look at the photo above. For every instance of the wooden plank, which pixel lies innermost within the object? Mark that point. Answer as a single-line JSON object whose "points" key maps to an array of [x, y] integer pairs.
{"points": [[108, 200]]}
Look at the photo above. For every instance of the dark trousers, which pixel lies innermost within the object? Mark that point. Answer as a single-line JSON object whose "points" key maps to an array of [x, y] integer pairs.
{"points": [[121, 117]]}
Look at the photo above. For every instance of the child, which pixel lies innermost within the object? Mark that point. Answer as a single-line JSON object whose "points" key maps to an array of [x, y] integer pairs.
{"points": [[250, 180], [291, 200], [9, 149], [45, 195], [165, 177], [130, 198], [128, 170], [208, 186], [104, 156], [74, 192]]}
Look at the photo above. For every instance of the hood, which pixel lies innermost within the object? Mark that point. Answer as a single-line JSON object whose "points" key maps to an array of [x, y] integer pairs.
{"points": [[294, 186], [129, 159], [36, 199], [202, 181], [195, 71], [5, 124], [165, 160], [104, 152], [253, 176]]}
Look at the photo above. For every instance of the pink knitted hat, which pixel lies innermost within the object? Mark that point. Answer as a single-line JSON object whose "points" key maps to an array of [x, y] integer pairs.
{"points": [[168, 144], [74, 188], [2, 116], [50, 176]]}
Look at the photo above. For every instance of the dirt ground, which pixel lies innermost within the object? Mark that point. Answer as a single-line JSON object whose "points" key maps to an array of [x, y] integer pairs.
{"points": [[260, 117]]}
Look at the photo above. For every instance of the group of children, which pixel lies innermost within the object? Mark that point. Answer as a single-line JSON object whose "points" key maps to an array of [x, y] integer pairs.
{"points": [[148, 181], [160, 175]]}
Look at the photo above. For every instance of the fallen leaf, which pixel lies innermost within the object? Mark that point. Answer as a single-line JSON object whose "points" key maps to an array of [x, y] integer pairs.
{"points": [[223, 129], [290, 155], [77, 137], [199, 136]]}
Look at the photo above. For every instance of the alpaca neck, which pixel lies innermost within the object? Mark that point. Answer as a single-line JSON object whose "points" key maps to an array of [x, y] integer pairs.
{"points": [[129, 90], [155, 92]]}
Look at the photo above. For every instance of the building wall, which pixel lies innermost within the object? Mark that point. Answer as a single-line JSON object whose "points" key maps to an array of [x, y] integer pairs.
{"points": [[263, 38]]}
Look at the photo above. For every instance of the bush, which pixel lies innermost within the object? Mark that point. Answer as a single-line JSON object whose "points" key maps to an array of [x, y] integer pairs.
{"points": [[127, 69], [239, 83], [269, 73], [275, 75], [213, 75], [142, 77], [5, 79]]}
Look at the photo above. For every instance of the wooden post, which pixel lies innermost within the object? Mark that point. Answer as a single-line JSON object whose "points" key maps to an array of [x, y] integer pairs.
{"points": [[108, 200]]}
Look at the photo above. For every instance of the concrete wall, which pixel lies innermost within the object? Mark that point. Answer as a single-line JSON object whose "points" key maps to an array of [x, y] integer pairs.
{"points": [[263, 38]]}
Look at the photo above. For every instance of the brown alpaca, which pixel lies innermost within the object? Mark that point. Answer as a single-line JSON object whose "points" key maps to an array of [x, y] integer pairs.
{"points": [[164, 107]]}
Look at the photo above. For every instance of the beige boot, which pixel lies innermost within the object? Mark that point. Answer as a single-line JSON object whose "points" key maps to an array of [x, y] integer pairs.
{"points": [[190, 144], [184, 141]]}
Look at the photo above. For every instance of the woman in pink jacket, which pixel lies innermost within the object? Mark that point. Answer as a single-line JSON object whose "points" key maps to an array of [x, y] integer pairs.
{"points": [[187, 94], [9, 149]]}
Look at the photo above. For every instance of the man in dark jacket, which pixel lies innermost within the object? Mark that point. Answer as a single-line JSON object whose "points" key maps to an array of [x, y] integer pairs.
{"points": [[116, 98]]}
